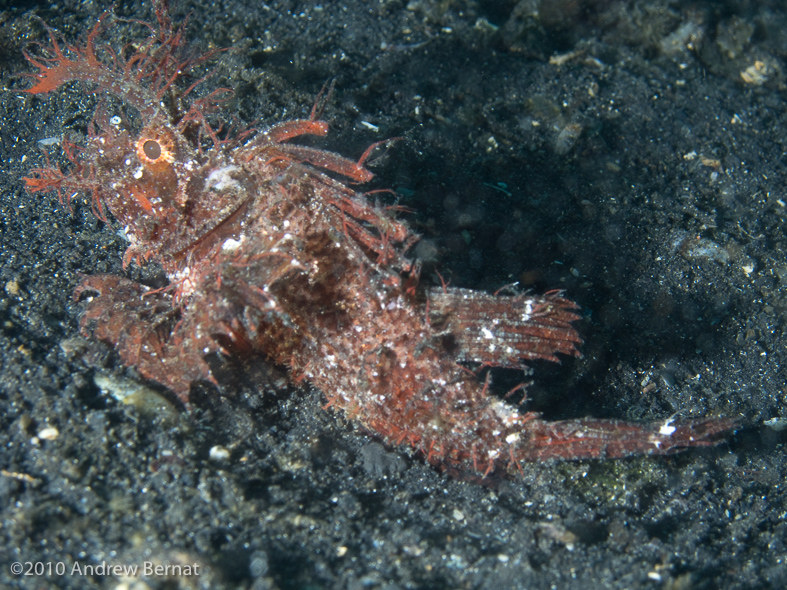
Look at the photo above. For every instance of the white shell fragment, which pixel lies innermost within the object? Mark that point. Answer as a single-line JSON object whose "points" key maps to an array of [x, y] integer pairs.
{"points": [[219, 454], [146, 400], [48, 433]]}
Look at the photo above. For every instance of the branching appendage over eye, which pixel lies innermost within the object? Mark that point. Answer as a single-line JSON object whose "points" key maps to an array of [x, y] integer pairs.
{"points": [[141, 80]]}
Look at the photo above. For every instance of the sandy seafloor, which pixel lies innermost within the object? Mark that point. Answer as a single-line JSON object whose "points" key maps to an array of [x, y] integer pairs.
{"points": [[629, 152]]}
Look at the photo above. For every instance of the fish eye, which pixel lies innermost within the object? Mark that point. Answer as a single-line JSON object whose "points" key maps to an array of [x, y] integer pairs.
{"points": [[156, 147], [152, 149]]}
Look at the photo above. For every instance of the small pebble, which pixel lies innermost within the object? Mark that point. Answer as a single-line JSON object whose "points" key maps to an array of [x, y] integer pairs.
{"points": [[219, 453], [48, 433], [777, 424]]}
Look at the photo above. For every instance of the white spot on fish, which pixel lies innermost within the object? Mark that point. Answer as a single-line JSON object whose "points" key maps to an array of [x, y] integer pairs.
{"points": [[220, 179]]}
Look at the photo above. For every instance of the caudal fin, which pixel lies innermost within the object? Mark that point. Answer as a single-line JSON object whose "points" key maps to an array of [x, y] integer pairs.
{"points": [[610, 439]]}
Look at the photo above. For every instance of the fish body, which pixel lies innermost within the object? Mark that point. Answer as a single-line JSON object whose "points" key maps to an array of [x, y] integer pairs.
{"points": [[271, 251]]}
